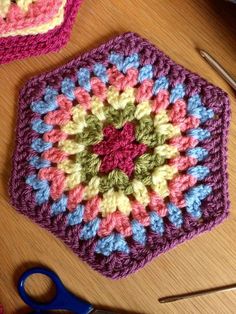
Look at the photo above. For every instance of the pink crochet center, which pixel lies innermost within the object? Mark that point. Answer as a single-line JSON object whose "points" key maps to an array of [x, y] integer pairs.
{"points": [[39, 12], [119, 149]]}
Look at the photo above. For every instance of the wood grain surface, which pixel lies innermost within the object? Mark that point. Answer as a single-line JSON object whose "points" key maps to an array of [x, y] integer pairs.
{"points": [[178, 28]]}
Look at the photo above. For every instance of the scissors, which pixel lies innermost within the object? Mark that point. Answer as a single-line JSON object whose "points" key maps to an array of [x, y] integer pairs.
{"points": [[63, 300]]}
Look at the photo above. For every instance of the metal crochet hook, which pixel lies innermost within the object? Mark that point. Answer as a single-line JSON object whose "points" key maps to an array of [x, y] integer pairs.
{"points": [[215, 65], [196, 294]]}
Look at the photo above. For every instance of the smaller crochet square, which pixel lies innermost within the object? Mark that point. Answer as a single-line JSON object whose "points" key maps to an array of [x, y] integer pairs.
{"points": [[28, 17], [37, 27], [121, 153]]}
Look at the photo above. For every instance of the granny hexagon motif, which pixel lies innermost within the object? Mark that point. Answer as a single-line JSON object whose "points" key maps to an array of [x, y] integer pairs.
{"points": [[121, 153]]}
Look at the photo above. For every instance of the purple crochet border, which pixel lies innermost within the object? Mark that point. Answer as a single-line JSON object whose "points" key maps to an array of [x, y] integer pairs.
{"points": [[214, 207], [19, 47]]}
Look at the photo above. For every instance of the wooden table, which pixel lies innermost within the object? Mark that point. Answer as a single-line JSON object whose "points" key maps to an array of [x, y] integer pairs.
{"points": [[178, 28]]}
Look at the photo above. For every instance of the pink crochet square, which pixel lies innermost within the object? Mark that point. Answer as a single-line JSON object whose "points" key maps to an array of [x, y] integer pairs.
{"points": [[37, 13], [19, 47]]}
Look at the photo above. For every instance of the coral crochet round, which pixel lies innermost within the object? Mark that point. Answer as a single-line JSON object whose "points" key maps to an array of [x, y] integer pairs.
{"points": [[121, 153]]}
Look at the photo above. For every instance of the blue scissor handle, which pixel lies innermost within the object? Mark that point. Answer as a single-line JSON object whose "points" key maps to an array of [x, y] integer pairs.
{"points": [[63, 300]]}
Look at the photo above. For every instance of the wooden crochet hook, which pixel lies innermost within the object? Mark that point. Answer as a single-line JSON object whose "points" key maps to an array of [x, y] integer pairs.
{"points": [[196, 294]]}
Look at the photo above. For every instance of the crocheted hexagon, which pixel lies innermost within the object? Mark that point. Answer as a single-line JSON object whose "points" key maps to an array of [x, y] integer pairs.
{"points": [[30, 28], [122, 154]]}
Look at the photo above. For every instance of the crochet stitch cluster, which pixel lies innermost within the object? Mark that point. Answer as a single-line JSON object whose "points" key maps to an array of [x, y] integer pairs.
{"points": [[120, 153]]}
